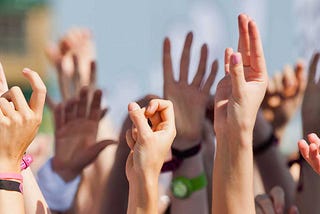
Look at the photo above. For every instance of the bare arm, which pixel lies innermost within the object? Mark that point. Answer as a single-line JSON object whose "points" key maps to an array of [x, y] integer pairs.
{"points": [[271, 163], [34, 201]]}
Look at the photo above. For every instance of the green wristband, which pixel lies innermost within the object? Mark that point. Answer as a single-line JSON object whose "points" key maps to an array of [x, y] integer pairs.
{"points": [[183, 187]]}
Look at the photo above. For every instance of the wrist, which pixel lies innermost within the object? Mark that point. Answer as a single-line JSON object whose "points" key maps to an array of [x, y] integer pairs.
{"points": [[9, 166], [240, 140], [66, 173]]}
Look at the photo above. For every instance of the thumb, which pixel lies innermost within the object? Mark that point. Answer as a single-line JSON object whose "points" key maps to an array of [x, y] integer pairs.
{"points": [[237, 74], [138, 118], [93, 151]]}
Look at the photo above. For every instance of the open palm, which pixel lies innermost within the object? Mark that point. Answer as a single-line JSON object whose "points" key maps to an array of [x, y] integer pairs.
{"points": [[189, 100]]}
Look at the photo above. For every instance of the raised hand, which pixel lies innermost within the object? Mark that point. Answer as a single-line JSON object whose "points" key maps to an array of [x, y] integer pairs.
{"points": [[284, 96], [19, 120], [273, 203], [150, 145], [237, 100], [189, 100], [310, 152], [149, 148], [311, 102], [240, 92], [74, 59], [76, 129], [310, 117]]}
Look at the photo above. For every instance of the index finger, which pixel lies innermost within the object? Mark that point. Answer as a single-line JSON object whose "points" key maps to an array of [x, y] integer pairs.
{"points": [[164, 107], [38, 95]]}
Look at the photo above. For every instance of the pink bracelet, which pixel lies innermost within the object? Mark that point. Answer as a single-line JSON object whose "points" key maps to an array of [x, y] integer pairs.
{"points": [[26, 162], [9, 176]]}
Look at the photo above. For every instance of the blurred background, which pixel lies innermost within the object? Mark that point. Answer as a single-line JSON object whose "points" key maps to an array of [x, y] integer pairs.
{"points": [[129, 36]]}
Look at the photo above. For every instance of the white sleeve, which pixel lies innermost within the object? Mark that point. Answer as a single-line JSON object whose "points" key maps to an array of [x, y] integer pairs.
{"points": [[58, 193]]}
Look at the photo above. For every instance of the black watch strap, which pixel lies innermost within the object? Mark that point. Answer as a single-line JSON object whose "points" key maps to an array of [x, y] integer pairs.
{"points": [[186, 153], [10, 185], [171, 165]]}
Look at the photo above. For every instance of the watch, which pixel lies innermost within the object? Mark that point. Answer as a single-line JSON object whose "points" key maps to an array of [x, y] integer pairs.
{"points": [[182, 187], [178, 157]]}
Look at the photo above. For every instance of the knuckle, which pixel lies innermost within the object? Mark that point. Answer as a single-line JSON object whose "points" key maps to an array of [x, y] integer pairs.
{"points": [[146, 136], [5, 122], [27, 117], [16, 118], [41, 89]]}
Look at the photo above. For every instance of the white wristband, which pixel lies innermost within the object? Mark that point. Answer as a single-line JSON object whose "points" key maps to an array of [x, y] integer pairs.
{"points": [[58, 193]]}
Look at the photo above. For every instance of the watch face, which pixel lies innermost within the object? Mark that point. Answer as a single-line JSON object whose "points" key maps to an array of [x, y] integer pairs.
{"points": [[180, 187]]}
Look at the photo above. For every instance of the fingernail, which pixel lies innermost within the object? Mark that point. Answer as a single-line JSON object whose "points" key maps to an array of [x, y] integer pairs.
{"points": [[235, 58], [25, 70], [133, 106]]}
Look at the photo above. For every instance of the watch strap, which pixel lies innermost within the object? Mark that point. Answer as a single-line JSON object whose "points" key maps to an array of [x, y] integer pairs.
{"points": [[199, 182], [186, 153], [10, 186], [171, 165]]}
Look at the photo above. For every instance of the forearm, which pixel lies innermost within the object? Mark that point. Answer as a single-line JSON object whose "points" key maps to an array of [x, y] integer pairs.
{"points": [[233, 179], [271, 163], [116, 193], [198, 200], [274, 172], [34, 201], [143, 195], [11, 202]]}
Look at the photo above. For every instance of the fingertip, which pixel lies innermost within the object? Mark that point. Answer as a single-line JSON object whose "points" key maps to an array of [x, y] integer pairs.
{"points": [[166, 41], [190, 35], [302, 143], [242, 17], [26, 70], [252, 27], [215, 64], [98, 92], [236, 58], [300, 64], [312, 137], [151, 108], [133, 106], [204, 48]]}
